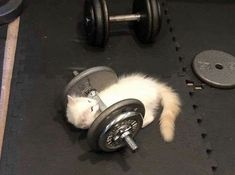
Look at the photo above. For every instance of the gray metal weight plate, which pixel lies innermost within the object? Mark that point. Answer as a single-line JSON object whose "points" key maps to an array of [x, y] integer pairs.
{"points": [[216, 68], [97, 78], [9, 10], [111, 138], [129, 112]]}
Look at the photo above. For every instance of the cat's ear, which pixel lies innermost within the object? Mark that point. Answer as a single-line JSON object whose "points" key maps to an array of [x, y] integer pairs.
{"points": [[71, 99]]}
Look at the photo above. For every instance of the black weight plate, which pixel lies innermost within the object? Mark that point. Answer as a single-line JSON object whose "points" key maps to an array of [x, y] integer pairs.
{"points": [[97, 77], [96, 21], [106, 22], [144, 27], [216, 68], [156, 22], [89, 21], [9, 10], [108, 116], [2, 2]]}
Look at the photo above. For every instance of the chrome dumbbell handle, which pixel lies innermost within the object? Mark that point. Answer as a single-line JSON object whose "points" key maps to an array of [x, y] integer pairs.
{"points": [[125, 18], [129, 141], [94, 95]]}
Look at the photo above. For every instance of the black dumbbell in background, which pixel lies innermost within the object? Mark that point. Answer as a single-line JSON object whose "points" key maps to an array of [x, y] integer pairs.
{"points": [[146, 16]]}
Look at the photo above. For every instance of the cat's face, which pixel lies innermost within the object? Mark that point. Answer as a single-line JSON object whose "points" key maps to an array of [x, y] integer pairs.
{"points": [[81, 111]]}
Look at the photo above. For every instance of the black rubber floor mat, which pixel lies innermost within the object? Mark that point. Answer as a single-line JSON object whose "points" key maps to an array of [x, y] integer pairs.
{"points": [[3, 33], [201, 26], [38, 140]]}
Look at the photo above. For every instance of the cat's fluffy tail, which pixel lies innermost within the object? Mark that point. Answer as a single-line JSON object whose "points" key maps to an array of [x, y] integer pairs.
{"points": [[171, 108]]}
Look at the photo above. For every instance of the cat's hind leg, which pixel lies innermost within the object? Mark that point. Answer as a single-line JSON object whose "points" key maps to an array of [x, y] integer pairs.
{"points": [[148, 118]]}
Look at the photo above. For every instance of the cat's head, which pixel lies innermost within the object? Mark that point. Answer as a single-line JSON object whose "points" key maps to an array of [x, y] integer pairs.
{"points": [[81, 111]]}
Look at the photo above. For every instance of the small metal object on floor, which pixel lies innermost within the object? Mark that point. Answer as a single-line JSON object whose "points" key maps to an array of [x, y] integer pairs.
{"points": [[216, 68]]}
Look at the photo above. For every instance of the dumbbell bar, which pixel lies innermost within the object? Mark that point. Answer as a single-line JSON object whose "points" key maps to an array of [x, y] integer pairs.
{"points": [[120, 18], [146, 17], [125, 18]]}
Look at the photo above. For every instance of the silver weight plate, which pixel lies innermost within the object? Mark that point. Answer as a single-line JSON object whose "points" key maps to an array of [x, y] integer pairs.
{"points": [[111, 137], [97, 78], [107, 122], [216, 68]]}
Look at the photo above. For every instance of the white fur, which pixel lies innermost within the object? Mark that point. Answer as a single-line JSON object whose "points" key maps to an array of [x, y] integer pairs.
{"points": [[81, 112]]}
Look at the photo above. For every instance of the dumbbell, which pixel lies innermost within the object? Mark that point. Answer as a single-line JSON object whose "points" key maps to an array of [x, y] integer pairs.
{"points": [[146, 18], [116, 125], [9, 10]]}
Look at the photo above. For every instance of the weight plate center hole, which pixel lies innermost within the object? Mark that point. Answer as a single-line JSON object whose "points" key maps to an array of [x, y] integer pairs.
{"points": [[219, 66]]}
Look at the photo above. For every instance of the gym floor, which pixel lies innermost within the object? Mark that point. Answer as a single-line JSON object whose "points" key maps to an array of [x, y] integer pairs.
{"points": [[38, 140]]}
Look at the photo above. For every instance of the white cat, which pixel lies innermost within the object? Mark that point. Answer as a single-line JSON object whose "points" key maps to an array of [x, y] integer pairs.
{"points": [[82, 111]]}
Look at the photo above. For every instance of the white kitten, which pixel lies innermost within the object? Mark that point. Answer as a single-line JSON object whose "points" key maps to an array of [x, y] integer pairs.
{"points": [[82, 111]]}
